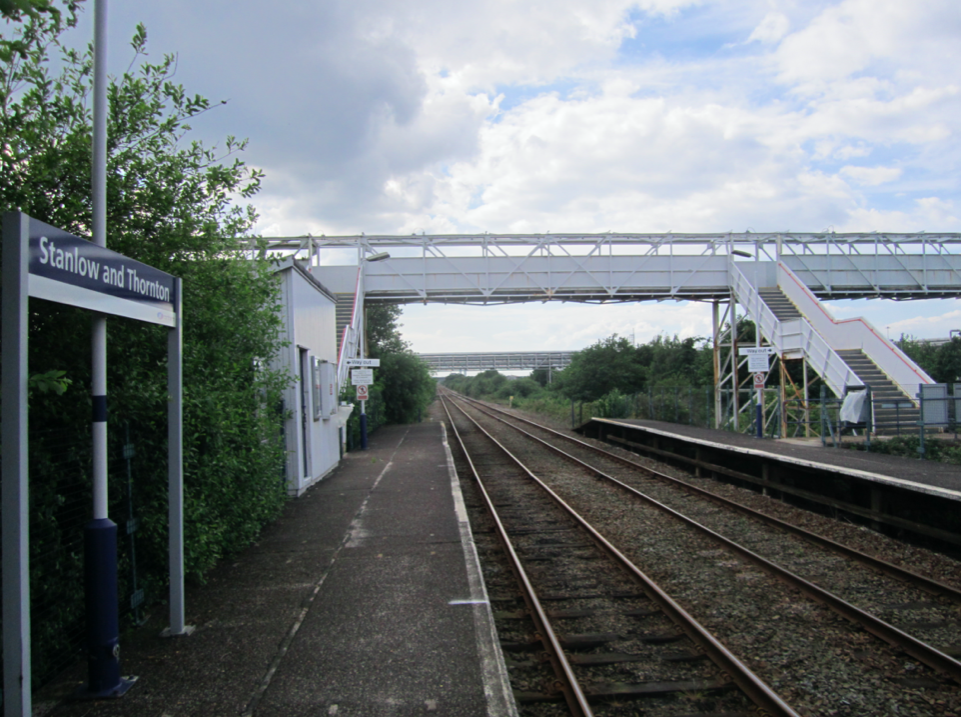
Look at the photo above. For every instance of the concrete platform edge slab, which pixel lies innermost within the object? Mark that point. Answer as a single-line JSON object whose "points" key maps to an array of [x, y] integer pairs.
{"points": [[497, 689], [947, 493]]}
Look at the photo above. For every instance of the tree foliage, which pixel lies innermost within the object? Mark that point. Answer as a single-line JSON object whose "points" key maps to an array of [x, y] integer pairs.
{"points": [[942, 363], [403, 385], [169, 204], [600, 368], [615, 364]]}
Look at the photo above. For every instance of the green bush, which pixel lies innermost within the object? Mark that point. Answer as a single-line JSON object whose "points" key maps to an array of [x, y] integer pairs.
{"points": [[935, 449], [169, 206]]}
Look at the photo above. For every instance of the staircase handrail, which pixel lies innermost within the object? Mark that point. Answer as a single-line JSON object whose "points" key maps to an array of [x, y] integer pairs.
{"points": [[350, 342], [855, 333], [793, 335]]}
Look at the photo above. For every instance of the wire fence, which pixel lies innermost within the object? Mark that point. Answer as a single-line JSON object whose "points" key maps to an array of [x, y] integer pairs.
{"points": [[60, 505]]}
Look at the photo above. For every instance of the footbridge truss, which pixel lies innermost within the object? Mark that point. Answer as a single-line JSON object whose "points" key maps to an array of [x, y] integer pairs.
{"points": [[504, 268], [497, 360], [778, 280]]}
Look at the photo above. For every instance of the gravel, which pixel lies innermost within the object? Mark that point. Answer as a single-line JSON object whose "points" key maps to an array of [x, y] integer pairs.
{"points": [[817, 661]]}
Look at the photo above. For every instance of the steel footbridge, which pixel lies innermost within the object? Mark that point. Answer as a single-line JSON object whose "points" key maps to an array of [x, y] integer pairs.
{"points": [[778, 280]]}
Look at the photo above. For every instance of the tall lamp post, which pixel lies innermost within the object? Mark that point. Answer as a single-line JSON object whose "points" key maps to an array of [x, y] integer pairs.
{"points": [[379, 256]]}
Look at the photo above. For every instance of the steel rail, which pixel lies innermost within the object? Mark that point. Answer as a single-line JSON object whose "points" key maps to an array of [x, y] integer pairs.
{"points": [[570, 687], [923, 652], [753, 687], [897, 572]]}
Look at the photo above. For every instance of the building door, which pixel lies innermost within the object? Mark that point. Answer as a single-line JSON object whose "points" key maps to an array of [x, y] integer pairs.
{"points": [[305, 409]]}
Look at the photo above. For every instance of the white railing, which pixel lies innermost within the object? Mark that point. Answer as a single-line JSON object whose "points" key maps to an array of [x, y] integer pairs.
{"points": [[353, 333], [793, 337], [856, 333]]}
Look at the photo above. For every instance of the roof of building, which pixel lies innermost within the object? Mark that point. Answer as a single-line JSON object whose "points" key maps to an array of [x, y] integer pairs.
{"points": [[298, 266]]}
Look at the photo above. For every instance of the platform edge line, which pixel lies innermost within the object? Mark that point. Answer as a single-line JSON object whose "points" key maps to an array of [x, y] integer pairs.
{"points": [[497, 689]]}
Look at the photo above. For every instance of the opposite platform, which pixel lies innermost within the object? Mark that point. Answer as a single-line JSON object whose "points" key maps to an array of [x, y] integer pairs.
{"points": [[903, 494], [364, 599], [909, 472]]}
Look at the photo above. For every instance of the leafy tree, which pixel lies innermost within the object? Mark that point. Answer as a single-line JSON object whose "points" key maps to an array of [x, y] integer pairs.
{"points": [[169, 205], [674, 361], [403, 381], [597, 370], [383, 329], [947, 365], [541, 375], [942, 363], [525, 387], [407, 386]]}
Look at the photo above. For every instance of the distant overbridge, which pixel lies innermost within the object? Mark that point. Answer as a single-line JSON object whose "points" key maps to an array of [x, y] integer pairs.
{"points": [[498, 360]]}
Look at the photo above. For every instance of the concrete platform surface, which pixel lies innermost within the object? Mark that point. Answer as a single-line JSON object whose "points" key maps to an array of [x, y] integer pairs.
{"points": [[364, 599], [909, 470]]}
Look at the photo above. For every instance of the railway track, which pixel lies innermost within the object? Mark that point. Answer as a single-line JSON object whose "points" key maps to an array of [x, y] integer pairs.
{"points": [[759, 568], [593, 630]]}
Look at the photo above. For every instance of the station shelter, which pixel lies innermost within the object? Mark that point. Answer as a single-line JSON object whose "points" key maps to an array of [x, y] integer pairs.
{"points": [[314, 421]]}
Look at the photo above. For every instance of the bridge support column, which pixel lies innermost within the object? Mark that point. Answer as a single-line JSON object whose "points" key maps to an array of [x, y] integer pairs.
{"points": [[725, 364]]}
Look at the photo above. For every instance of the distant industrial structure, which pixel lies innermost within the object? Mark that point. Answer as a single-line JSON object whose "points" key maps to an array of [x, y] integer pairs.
{"points": [[498, 360]]}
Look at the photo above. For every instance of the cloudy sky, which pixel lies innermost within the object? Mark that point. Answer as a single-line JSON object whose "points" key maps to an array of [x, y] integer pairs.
{"points": [[383, 116]]}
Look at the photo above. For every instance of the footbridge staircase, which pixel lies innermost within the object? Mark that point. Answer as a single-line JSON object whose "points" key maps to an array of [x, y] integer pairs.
{"points": [[847, 354]]}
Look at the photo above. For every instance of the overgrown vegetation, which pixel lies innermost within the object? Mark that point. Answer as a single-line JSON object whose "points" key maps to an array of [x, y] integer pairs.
{"points": [[169, 205], [403, 386], [664, 378], [671, 379], [942, 363], [935, 449]]}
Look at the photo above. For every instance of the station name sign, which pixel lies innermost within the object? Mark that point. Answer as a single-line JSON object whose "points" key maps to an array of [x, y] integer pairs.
{"points": [[70, 270]]}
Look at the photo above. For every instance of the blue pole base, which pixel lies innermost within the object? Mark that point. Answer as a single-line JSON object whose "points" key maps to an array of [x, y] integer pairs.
{"points": [[100, 597], [759, 421], [363, 431]]}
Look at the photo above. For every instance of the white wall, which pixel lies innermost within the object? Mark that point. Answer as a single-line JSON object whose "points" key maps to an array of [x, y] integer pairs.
{"points": [[310, 325]]}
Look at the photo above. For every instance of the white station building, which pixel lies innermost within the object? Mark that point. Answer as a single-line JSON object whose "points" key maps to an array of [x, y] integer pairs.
{"points": [[312, 427]]}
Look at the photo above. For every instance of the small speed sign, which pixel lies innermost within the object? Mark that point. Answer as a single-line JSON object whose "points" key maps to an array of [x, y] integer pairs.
{"points": [[362, 392]]}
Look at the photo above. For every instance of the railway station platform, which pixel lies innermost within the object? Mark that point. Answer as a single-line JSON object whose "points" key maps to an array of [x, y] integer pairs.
{"points": [[364, 599], [903, 494]]}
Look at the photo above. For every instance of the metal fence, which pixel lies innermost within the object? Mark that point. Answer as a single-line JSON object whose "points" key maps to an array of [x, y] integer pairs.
{"points": [[60, 506], [815, 418]]}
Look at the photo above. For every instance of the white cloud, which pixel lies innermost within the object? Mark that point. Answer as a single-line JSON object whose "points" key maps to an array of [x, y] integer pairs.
{"points": [[506, 115], [771, 29], [870, 176], [930, 326], [854, 35]]}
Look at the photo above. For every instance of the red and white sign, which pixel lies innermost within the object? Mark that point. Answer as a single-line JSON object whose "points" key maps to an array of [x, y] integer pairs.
{"points": [[362, 392], [759, 380]]}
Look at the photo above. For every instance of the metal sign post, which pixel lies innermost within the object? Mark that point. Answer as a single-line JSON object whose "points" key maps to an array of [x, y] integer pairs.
{"points": [[362, 378], [757, 363], [42, 261]]}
